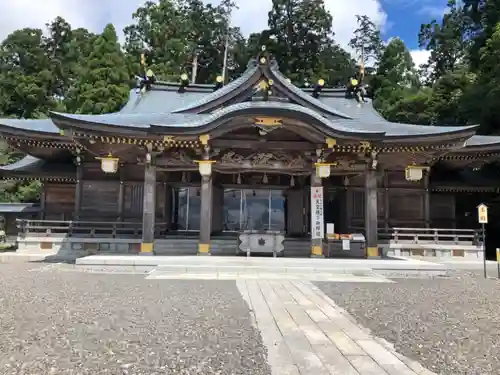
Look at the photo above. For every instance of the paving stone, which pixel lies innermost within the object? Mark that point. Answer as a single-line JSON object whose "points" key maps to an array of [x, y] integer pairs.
{"points": [[366, 365]]}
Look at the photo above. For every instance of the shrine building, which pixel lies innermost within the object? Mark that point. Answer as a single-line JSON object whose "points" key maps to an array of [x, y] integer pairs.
{"points": [[188, 168]]}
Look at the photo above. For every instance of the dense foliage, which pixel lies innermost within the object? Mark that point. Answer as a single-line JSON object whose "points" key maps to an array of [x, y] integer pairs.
{"points": [[74, 70]]}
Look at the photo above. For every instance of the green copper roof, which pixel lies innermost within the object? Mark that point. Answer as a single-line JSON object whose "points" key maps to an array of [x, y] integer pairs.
{"points": [[132, 120], [19, 207], [26, 164], [483, 140], [222, 91], [160, 101], [307, 97], [42, 126]]}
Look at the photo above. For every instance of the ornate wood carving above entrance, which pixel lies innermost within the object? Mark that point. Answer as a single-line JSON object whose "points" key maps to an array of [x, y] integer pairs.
{"points": [[264, 160], [176, 158]]}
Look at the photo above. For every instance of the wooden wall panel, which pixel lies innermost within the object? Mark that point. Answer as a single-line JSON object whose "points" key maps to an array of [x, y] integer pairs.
{"points": [[406, 208], [100, 200], [59, 201], [296, 216], [442, 210], [133, 197], [217, 208]]}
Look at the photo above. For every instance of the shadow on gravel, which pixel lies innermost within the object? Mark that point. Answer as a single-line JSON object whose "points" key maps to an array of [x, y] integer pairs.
{"points": [[55, 259]]}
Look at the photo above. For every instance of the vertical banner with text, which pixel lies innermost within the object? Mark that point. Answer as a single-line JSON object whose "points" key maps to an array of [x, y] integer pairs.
{"points": [[317, 221]]}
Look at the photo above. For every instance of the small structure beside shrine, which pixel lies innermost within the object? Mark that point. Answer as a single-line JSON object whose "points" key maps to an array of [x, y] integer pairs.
{"points": [[188, 168]]}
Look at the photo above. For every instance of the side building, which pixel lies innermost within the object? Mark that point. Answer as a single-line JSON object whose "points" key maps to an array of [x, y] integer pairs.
{"points": [[198, 164]]}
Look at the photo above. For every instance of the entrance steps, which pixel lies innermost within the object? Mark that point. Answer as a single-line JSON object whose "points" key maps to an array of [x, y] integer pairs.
{"points": [[256, 266]]}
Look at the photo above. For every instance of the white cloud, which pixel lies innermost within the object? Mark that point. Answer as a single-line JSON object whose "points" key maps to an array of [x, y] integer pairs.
{"points": [[420, 56], [433, 11], [94, 14]]}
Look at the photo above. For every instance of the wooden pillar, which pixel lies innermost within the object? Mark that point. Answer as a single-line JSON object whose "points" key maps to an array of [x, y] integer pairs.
{"points": [[148, 210], [78, 191], [317, 217], [427, 201], [205, 215], [371, 219]]}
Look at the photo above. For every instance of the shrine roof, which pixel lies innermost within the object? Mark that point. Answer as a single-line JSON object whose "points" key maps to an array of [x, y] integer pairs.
{"points": [[27, 164], [30, 166], [199, 106], [19, 207], [31, 125]]}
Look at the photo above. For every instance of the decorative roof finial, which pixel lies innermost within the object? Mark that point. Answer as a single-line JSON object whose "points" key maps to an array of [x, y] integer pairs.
{"points": [[147, 77]]}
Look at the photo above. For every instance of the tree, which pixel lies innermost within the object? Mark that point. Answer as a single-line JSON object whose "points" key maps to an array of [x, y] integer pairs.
{"points": [[301, 32], [448, 41], [104, 83], [26, 78], [367, 42], [396, 67], [173, 32], [483, 100]]}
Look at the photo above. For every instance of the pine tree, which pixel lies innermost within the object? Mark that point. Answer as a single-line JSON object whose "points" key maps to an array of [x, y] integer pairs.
{"points": [[103, 84]]}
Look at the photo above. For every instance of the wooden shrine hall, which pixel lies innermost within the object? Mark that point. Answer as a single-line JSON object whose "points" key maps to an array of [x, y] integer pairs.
{"points": [[205, 163]]}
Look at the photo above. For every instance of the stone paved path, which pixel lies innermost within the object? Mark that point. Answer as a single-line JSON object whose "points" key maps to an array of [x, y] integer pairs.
{"points": [[305, 332]]}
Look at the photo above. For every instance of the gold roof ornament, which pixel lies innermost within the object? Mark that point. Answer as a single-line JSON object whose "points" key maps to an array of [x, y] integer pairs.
{"points": [[204, 138]]}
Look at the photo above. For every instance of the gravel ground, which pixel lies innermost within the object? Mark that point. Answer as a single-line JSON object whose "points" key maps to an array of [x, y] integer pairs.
{"points": [[451, 326], [54, 322]]}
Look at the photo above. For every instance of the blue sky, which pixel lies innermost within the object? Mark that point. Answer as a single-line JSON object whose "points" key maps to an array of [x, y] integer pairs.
{"points": [[404, 17]]}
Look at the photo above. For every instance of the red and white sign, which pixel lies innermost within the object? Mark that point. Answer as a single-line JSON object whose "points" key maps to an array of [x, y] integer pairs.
{"points": [[317, 215]]}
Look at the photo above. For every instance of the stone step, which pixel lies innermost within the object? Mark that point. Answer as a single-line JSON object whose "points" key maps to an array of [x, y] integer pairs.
{"points": [[263, 264]]}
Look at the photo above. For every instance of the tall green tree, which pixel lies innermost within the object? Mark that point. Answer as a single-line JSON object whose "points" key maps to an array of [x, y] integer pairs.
{"points": [[484, 98], [26, 79], [104, 82], [301, 32], [367, 41], [448, 41], [173, 32], [395, 67]]}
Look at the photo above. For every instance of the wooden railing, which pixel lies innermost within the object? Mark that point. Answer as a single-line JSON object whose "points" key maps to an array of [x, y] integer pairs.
{"points": [[84, 228], [435, 236], [427, 235]]}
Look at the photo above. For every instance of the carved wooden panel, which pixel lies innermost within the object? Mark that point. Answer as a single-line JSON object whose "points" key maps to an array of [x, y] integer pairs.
{"points": [[100, 200], [59, 201]]}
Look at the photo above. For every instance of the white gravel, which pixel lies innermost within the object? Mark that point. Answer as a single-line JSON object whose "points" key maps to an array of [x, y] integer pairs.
{"points": [[451, 326], [55, 322]]}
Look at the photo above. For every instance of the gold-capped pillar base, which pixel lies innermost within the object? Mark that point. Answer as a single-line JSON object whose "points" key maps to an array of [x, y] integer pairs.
{"points": [[372, 252], [204, 249], [317, 251], [146, 248]]}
